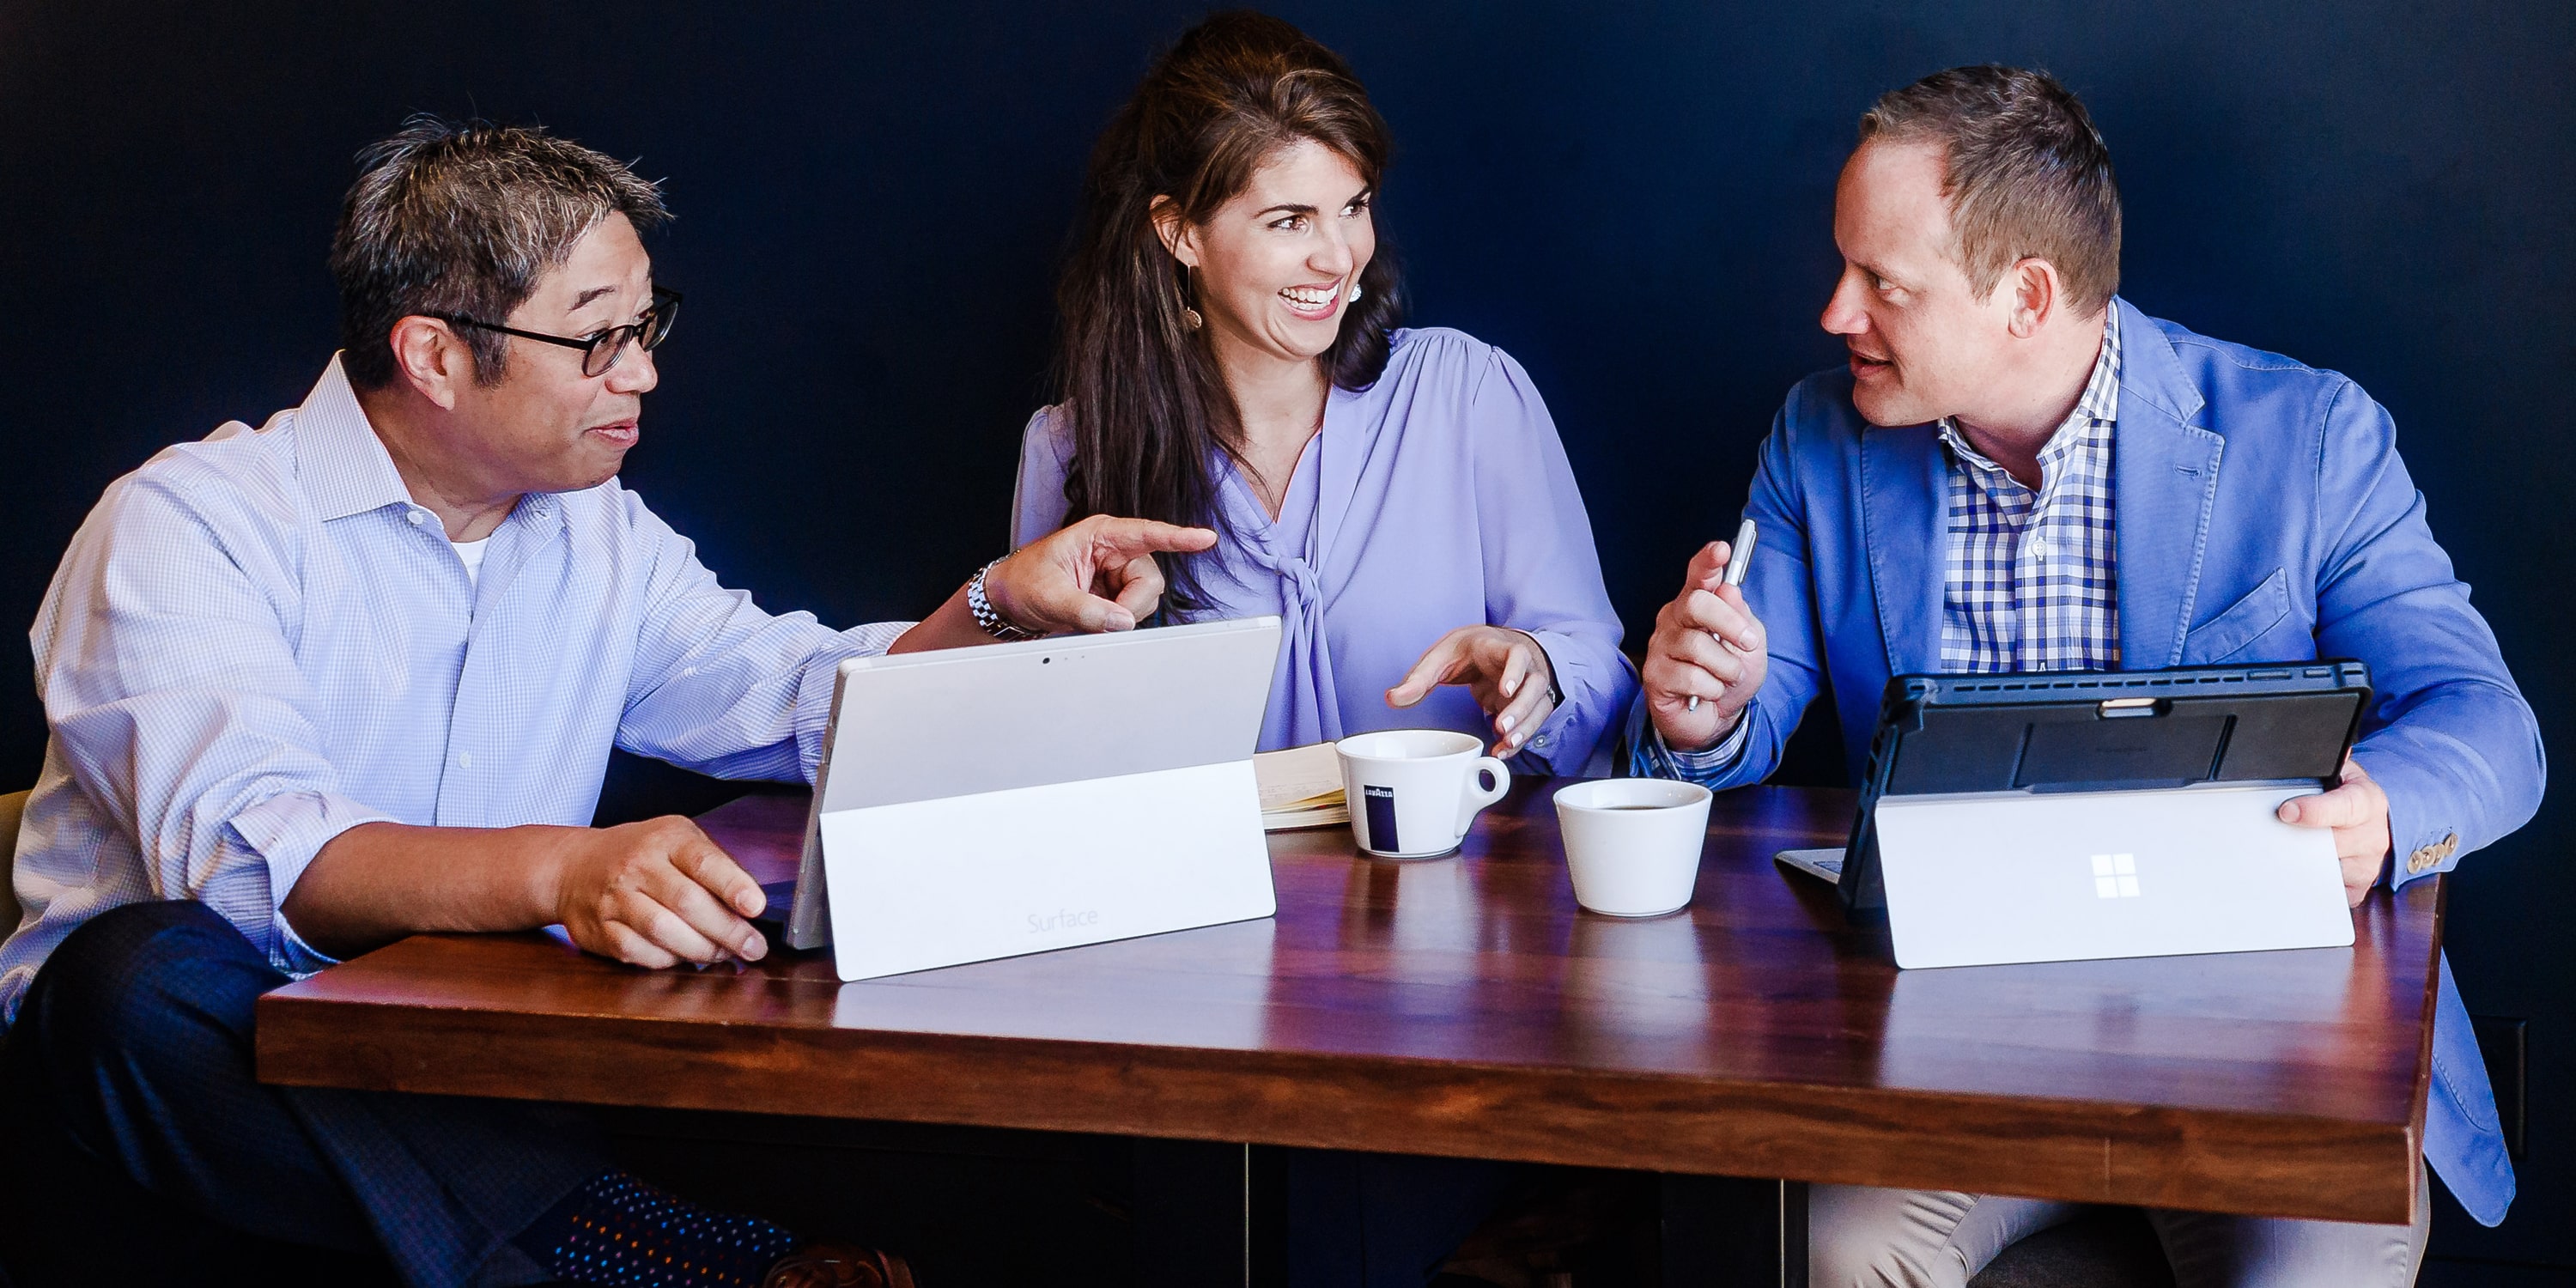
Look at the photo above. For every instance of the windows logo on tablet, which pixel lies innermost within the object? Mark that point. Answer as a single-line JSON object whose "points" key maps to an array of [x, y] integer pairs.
{"points": [[2115, 876]]}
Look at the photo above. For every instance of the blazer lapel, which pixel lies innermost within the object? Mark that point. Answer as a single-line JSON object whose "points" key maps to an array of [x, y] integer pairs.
{"points": [[1902, 503], [2165, 479]]}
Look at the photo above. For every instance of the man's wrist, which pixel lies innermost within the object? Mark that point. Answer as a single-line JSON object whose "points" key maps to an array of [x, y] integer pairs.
{"points": [[990, 605], [1721, 746], [558, 849]]}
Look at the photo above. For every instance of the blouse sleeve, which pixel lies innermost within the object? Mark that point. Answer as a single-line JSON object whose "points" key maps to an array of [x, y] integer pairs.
{"points": [[1038, 504], [1542, 574]]}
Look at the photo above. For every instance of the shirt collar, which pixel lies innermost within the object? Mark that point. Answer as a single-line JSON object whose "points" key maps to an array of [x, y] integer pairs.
{"points": [[2095, 410], [2101, 400], [344, 466]]}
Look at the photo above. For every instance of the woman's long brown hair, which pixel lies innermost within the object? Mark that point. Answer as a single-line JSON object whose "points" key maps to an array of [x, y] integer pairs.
{"points": [[1148, 407]]}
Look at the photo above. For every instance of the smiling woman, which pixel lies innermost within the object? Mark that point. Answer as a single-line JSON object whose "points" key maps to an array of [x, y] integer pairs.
{"points": [[1399, 498], [1230, 359], [1145, 394]]}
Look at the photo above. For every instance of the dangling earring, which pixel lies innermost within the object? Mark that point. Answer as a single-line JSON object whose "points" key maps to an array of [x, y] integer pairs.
{"points": [[1356, 292], [1189, 316]]}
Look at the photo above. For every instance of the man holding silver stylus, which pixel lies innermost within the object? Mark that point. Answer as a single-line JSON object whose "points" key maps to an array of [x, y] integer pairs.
{"points": [[2018, 471], [1737, 559]]}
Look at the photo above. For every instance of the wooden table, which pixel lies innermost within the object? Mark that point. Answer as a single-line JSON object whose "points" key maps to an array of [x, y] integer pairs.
{"points": [[1466, 1007]]}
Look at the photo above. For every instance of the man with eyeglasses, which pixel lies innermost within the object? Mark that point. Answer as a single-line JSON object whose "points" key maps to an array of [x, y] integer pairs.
{"points": [[355, 675]]}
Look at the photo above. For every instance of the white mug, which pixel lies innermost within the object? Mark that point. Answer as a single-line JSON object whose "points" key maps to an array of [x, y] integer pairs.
{"points": [[1412, 792], [1632, 844]]}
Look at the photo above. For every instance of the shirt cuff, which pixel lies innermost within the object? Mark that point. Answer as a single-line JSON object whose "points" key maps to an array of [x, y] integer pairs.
{"points": [[283, 833], [294, 956], [1547, 741], [1700, 766], [822, 674]]}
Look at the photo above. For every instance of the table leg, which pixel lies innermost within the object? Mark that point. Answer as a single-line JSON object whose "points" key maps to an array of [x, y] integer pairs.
{"points": [[1208, 1213], [1729, 1232]]}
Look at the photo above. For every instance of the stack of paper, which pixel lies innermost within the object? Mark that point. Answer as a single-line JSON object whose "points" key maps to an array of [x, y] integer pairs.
{"points": [[1300, 787]]}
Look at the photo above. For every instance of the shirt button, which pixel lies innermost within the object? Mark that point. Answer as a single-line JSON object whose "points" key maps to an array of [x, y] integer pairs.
{"points": [[413, 516], [465, 760], [2039, 546], [1539, 741]]}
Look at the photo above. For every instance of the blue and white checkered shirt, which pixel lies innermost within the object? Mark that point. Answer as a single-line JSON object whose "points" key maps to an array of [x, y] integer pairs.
{"points": [[2032, 578], [259, 641]]}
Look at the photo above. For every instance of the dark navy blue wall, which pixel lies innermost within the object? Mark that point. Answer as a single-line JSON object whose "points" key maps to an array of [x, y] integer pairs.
{"points": [[1632, 199]]}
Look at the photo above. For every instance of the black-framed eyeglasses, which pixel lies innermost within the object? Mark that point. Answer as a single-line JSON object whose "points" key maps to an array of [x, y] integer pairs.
{"points": [[600, 350]]}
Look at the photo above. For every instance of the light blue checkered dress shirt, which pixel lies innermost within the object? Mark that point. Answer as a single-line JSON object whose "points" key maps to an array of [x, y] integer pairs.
{"points": [[2031, 578], [259, 641]]}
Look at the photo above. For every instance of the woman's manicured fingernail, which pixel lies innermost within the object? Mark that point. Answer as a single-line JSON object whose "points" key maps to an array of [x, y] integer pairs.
{"points": [[1509, 721]]}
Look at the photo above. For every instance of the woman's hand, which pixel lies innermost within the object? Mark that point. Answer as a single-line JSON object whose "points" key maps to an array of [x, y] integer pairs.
{"points": [[1506, 669]]}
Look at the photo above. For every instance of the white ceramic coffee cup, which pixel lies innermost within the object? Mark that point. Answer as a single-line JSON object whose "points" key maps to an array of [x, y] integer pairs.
{"points": [[1413, 792], [1632, 844]]}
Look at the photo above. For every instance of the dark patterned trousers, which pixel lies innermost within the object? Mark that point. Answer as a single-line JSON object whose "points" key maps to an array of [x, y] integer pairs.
{"points": [[139, 1146]]}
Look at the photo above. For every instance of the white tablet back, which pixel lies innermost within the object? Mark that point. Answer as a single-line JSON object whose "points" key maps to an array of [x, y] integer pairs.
{"points": [[1012, 798], [2035, 877]]}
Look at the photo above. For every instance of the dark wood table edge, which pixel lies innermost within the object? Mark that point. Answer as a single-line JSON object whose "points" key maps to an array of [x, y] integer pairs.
{"points": [[2063, 1148], [2077, 1150]]}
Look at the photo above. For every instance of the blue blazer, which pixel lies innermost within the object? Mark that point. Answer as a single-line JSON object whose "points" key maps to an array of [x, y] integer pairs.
{"points": [[2264, 516]]}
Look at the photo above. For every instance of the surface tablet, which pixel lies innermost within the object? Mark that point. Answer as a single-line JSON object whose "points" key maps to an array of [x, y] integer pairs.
{"points": [[1035, 713], [2100, 731]]}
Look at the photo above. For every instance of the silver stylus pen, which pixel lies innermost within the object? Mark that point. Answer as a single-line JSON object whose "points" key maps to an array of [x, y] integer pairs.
{"points": [[1739, 558]]}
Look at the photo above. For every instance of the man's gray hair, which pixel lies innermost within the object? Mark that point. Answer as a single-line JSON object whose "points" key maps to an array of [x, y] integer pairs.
{"points": [[2025, 173], [461, 221]]}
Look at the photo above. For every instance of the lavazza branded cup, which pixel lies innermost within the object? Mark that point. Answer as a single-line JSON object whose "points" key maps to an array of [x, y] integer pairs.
{"points": [[1413, 792]]}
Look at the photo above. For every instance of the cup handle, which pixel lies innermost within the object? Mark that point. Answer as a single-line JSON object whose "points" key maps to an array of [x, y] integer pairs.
{"points": [[1475, 798]]}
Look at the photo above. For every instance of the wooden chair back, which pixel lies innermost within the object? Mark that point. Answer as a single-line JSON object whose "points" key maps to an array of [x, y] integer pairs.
{"points": [[12, 808]]}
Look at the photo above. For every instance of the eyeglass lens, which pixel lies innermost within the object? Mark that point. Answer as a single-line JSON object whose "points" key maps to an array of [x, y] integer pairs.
{"points": [[610, 345]]}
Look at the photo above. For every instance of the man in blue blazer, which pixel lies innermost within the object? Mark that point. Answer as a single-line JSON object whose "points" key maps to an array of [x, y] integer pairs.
{"points": [[2019, 471]]}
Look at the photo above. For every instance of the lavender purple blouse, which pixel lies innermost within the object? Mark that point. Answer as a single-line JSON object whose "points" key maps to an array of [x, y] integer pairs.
{"points": [[1438, 497]]}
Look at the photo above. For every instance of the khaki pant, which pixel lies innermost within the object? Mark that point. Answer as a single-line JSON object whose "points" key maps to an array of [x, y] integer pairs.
{"points": [[1859, 1237]]}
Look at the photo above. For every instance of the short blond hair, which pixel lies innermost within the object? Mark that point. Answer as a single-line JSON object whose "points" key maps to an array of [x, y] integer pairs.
{"points": [[2025, 173]]}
